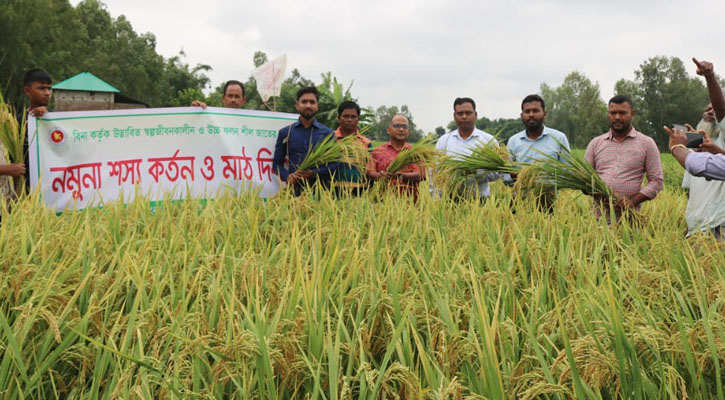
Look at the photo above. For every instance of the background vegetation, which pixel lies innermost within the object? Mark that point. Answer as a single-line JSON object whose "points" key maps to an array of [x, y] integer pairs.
{"points": [[66, 40]]}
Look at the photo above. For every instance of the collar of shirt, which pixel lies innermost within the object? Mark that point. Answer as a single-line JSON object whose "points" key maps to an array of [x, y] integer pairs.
{"points": [[474, 135], [361, 138], [632, 134], [406, 145], [544, 132], [315, 123]]}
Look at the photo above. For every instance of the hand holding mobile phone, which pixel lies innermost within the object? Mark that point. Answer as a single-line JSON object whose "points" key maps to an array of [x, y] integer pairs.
{"points": [[694, 139]]}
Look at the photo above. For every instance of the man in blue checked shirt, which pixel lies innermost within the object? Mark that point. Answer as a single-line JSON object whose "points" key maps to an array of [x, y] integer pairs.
{"points": [[297, 139], [536, 140]]}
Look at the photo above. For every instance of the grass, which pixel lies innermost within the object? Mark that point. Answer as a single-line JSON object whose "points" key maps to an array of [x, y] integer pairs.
{"points": [[326, 298]]}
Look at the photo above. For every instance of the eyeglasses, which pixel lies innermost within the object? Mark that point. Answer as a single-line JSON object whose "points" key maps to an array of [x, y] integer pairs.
{"points": [[398, 126]]}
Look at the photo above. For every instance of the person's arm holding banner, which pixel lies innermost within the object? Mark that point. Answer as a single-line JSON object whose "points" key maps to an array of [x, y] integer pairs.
{"points": [[198, 103], [15, 169]]}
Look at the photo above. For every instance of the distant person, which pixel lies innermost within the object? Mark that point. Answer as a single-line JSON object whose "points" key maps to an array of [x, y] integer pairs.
{"points": [[38, 90], [706, 201], [623, 156], [348, 179], [536, 142], [406, 180], [232, 96], [462, 141], [297, 139]]}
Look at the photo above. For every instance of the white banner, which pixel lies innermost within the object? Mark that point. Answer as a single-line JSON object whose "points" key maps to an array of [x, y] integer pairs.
{"points": [[84, 158]]}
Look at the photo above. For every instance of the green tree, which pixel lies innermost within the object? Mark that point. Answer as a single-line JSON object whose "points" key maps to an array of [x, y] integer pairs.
{"points": [[66, 40], [663, 93], [575, 108], [501, 128]]}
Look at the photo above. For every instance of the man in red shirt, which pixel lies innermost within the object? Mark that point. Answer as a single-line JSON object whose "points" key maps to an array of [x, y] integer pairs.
{"points": [[408, 178]]}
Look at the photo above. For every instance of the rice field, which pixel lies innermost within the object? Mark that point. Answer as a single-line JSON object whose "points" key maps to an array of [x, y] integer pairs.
{"points": [[325, 298]]}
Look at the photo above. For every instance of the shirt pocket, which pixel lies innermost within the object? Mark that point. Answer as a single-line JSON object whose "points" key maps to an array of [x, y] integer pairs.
{"points": [[633, 158]]}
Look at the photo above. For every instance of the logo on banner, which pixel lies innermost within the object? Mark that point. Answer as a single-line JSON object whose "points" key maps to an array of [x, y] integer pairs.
{"points": [[57, 136]]}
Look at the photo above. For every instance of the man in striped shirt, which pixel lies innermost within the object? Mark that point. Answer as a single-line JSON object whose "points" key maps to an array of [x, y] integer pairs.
{"points": [[623, 156]]}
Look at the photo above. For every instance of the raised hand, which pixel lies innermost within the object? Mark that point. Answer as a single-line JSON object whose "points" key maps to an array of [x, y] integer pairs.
{"points": [[704, 68]]}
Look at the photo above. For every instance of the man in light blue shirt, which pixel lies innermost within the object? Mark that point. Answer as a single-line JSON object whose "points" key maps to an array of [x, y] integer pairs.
{"points": [[463, 140], [536, 141], [527, 145]]}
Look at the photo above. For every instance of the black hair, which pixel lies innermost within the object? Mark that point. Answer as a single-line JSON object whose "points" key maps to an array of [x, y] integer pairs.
{"points": [[346, 105], [232, 82], [36, 75], [531, 98], [621, 99], [308, 89], [461, 100]]}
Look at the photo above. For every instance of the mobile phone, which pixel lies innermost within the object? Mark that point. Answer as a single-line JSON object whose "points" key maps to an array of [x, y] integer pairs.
{"points": [[694, 140]]}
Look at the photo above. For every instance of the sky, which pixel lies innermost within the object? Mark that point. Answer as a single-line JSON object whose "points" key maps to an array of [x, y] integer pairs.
{"points": [[426, 53]]}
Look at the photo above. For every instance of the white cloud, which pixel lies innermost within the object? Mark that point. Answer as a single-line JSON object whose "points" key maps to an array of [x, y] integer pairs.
{"points": [[425, 53]]}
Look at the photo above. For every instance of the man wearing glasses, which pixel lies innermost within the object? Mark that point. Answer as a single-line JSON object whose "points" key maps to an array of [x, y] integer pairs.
{"points": [[462, 141], [406, 180]]}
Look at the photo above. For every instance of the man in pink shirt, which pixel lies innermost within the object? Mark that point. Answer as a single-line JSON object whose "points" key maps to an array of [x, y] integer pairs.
{"points": [[623, 156]]}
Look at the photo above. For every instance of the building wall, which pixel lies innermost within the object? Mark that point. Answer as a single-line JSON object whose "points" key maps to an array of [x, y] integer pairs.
{"points": [[127, 106], [71, 100]]}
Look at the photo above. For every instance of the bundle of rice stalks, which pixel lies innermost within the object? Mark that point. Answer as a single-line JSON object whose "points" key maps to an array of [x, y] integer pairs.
{"points": [[456, 171], [331, 150], [488, 157], [571, 172], [355, 153], [12, 136], [421, 153]]}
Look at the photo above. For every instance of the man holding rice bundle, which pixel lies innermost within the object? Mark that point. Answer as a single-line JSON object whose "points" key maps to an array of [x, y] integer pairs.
{"points": [[536, 142], [463, 141], [348, 178], [296, 140], [406, 180], [622, 157]]}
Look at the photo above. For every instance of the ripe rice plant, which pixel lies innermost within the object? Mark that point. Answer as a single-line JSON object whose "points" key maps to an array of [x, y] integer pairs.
{"points": [[12, 136], [347, 298], [421, 153], [484, 157], [331, 150], [571, 172]]}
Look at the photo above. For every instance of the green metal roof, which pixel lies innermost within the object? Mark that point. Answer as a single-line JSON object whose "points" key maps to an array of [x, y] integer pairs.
{"points": [[87, 82]]}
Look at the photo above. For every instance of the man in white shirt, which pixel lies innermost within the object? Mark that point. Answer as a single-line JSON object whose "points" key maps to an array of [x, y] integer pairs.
{"points": [[462, 141], [706, 204]]}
